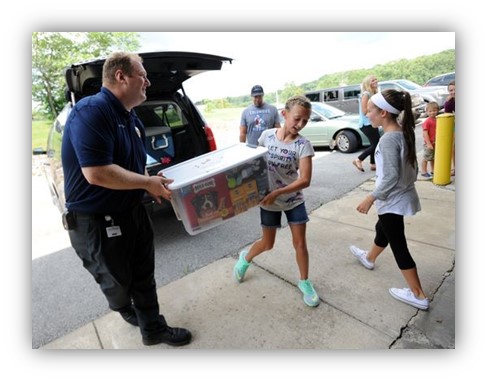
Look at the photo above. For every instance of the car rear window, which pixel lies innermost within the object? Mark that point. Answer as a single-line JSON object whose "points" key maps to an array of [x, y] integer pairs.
{"points": [[154, 114]]}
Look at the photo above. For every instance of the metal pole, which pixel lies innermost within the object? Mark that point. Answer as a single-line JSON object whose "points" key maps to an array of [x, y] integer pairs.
{"points": [[443, 148]]}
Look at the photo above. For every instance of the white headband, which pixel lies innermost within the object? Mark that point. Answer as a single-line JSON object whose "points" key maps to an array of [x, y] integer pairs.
{"points": [[379, 100]]}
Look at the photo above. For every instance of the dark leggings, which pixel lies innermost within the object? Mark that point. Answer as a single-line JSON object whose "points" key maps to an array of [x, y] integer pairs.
{"points": [[390, 230], [373, 136]]}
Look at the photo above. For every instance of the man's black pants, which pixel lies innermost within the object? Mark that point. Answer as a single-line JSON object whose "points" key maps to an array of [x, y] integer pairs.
{"points": [[122, 264]]}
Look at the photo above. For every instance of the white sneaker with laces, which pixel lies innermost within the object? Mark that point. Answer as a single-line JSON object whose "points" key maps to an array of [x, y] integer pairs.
{"points": [[361, 255], [405, 295]]}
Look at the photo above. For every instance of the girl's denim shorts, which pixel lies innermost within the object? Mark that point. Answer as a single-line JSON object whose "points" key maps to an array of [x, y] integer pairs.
{"points": [[297, 215]]}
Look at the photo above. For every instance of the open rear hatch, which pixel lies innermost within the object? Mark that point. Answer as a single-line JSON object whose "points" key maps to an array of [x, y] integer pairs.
{"points": [[166, 71]]}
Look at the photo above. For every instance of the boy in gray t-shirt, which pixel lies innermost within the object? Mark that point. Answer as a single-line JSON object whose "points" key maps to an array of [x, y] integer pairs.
{"points": [[258, 117]]}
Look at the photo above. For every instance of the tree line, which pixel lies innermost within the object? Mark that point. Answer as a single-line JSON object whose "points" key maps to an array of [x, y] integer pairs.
{"points": [[418, 70], [53, 51]]}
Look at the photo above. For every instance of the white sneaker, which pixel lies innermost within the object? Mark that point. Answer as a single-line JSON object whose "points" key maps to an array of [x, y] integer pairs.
{"points": [[406, 295], [361, 255]]}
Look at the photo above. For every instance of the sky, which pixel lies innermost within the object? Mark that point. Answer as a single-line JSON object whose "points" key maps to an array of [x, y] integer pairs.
{"points": [[273, 59]]}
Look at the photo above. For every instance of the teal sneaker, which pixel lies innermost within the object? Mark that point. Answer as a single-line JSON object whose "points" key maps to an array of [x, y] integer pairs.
{"points": [[310, 296], [241, 266]]}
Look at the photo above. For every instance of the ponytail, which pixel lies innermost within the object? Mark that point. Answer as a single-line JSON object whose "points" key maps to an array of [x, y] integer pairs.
{"points": [[401, 100]]}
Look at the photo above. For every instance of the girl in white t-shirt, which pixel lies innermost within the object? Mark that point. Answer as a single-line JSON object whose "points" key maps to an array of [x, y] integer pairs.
{"points": [[289, 166]]}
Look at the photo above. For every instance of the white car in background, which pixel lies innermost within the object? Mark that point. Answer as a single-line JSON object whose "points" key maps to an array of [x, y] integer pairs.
{"points": [[333, 128]]}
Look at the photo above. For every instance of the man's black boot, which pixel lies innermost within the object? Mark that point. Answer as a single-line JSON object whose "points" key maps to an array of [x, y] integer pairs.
{"points": [[130, 316], [171, 336]]}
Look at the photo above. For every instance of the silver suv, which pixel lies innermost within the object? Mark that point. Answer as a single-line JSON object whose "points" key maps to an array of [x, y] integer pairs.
{"points": [[441, 80], [436, 94], [346, 97]]}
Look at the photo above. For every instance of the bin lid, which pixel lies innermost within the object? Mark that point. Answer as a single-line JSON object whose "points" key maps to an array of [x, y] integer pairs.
{"points": [[211, 164]]}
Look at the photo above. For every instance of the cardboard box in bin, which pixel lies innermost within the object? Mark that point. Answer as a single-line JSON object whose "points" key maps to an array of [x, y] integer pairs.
{"points": [[212, 188]]}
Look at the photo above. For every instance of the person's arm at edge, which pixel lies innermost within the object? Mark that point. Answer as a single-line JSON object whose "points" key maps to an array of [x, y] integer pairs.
{"points": [[363, 103], [243, 134]]}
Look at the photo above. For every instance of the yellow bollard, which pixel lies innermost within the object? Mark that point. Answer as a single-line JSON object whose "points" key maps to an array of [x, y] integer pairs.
{"points": [[443, 148]]}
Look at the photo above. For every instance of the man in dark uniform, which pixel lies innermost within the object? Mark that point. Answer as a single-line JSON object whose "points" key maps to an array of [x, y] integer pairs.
{"points": [[104, 158]]}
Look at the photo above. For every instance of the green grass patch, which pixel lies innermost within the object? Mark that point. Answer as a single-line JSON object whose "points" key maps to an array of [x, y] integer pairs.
{"points": [[223, 114], [40, 132]]}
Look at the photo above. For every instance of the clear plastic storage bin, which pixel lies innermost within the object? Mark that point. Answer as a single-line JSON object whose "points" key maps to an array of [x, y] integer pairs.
{"points": [[212, 188]]}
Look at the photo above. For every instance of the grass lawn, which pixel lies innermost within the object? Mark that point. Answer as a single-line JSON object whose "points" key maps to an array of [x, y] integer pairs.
{"points": [[40, 131], [223, 114]]}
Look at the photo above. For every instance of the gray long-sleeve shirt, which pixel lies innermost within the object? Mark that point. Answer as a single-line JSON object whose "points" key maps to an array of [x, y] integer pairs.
{"points": [[394, 187]]}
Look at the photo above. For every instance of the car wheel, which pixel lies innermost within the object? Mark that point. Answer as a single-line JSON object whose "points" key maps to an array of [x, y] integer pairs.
{"points": [[346, 142]]}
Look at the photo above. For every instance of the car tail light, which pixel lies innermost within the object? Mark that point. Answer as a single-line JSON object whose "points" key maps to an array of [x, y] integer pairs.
{"points": [[210, 138]]}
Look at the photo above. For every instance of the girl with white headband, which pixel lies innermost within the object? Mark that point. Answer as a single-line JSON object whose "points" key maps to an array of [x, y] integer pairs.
{"points": [[395, 195]]}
